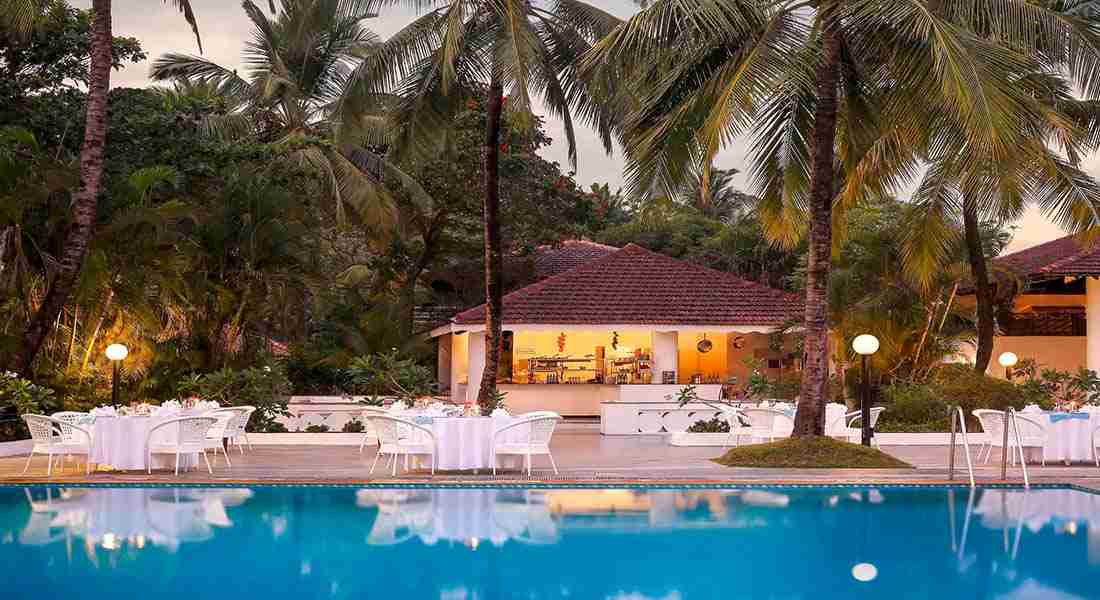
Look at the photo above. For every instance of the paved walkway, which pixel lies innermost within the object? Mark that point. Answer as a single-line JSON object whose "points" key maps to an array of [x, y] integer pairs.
{"points": [[582, 456]]}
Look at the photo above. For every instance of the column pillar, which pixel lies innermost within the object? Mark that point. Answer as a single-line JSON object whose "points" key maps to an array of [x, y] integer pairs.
{"points": [[476, 367], [665, 353], [1092, 323]]}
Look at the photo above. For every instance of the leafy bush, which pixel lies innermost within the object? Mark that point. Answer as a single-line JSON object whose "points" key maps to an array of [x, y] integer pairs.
{"points": [[390, 374], [24, 397], [311, 378], [265, 388], [925, 406], [317, 429], [495, 401], [354, 426], [714, 425]]}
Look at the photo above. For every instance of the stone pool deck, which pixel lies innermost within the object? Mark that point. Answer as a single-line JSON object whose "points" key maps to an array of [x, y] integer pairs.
{"points": [[582, 456]]}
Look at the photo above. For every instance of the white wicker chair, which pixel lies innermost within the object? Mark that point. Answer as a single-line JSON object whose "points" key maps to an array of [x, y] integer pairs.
{"points": [[400, 437], [1032, 433], [732, 417], [538, 431], [216, 436], [190, 439], [843, 427], [54, 437], [1095, 445], [367, 430], [237, 429], [768, 423]]}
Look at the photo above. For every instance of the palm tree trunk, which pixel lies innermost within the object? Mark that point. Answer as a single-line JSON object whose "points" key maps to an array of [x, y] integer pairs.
{"points": [[494, 291], [810, 419], [84, 201], [983, 291]]}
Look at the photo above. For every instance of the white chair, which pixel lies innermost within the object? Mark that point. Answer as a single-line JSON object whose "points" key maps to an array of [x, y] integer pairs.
{"points": [[768, 423], [54, 437], [732, 417], [237, 430], [400, 437], [224, 424], [1095, 445], [1032, 433], [537, 432], [190, 439], [844, 427], [369, 410]]}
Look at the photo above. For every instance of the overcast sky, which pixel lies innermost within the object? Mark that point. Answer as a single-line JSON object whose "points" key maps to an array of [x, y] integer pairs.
{"points": [[224, 28]]}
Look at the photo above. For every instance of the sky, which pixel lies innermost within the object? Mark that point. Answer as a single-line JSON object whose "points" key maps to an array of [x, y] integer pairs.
{"points": [[224, 29]]}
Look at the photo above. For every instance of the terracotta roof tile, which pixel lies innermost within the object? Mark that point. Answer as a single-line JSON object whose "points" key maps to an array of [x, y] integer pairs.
{"points": [[554, 259], [634, 286], [1061, 257]]}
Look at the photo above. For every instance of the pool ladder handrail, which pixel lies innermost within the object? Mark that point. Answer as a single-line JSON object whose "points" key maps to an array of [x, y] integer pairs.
{"points": [[958, 419], [1010, 418]]}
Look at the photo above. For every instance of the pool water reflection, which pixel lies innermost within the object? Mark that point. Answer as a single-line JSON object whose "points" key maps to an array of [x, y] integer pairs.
{"points": [[636, 544]]}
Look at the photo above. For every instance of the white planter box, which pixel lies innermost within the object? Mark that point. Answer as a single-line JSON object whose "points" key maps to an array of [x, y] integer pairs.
{"points": [[16, 448], [309, 439]]}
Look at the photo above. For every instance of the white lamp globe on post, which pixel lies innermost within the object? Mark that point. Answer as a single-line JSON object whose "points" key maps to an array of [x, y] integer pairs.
{"points": [[116, 353], [1008, 360], [865, 345]]}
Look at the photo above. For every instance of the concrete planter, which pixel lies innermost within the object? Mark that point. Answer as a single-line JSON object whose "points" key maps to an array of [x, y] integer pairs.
{"points": [[16, 448]]}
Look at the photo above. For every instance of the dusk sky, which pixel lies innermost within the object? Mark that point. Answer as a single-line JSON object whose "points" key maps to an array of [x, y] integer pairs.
{"points": [[224, 28]]}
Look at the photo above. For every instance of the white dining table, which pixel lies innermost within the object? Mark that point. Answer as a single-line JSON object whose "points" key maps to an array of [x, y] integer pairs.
{"points": [[465, 443], [1069, 435], [120, 442]]}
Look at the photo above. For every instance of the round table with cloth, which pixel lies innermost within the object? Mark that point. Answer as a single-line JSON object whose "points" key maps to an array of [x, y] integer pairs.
{"points": [[464, 443], [120, 442], [1069, 435]]}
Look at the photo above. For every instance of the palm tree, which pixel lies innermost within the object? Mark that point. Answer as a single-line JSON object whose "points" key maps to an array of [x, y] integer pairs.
{"points": [[711, 191], [476, 50], [957, 187], [838, 96], [294, 98], [81, 227]]}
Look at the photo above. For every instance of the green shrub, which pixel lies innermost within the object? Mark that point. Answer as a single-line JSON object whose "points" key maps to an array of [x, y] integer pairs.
{"points": [[714, 425], [265, 388], [354, 426], [317, 429], [26, 397], [390, 374]]}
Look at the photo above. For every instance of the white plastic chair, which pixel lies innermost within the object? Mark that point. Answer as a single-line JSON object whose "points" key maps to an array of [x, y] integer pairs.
{"points": [[539, 431], [190, 439], [369, 410], [732, 417], [400, 437], [1095, 445], [224, 425], [768, 423], [1033, 434], [843, 427], [992, 422], [55, 437], [237, 430]]}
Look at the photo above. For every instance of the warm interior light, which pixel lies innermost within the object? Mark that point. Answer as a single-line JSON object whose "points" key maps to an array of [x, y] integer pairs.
{"points": [[1007, 359], [865, 344], [117, 352]]}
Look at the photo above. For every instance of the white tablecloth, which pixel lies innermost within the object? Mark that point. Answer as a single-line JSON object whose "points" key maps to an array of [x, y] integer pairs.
{"points": [[1037, 508], [120, 443], [1067, 439], [465, 442]]}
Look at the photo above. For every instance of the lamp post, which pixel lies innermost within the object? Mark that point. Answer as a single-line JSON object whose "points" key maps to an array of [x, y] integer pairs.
{"points": [[1008, 360], [865, 345], [116, 353]]}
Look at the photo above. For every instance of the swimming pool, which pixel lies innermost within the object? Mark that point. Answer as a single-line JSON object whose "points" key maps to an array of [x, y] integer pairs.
{"points": [[625, 543]]}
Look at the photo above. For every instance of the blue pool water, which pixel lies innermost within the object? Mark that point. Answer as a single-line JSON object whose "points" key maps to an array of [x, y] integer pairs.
{"points": [[623, 544]]}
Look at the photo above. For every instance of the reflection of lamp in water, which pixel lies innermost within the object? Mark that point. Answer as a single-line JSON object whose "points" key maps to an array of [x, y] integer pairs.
{"points": [[864, 572]]}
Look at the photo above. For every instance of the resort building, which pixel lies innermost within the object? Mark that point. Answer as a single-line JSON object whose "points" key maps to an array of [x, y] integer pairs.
{"points": [[1054, 314], [626, 328]]}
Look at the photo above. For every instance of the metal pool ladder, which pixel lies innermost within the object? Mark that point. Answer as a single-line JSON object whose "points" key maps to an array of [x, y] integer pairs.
{"points": [[958, 420]]}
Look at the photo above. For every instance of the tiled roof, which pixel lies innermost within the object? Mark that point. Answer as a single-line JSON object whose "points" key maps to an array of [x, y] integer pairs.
{"points": [[634, 286], [553, 259], [1061, 257]]}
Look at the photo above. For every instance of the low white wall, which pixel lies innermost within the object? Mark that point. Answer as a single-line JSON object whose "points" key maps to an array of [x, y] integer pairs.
{"points": [[310, 439], [883, 439], [16, 448]]}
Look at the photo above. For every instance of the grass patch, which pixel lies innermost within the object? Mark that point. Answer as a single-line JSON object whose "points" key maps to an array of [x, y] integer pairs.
{"points": [[810, 453]]}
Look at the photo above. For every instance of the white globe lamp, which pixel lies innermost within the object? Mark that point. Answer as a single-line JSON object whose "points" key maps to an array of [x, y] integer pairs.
{"points": [[116, 353], [1008, 360], [865, 345]]}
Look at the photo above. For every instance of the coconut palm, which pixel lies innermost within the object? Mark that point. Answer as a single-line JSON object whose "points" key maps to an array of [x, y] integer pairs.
{"points": [[711, 191], [81, 230], [838, 97], [461, 51], [293, 97]]}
